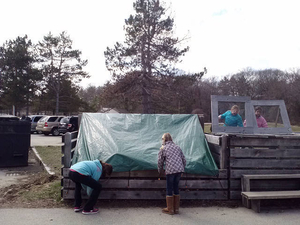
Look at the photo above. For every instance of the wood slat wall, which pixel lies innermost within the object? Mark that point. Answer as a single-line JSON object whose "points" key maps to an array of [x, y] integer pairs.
{"points": [[219, 149], [145, 184], [263, 154], [152, 195]]}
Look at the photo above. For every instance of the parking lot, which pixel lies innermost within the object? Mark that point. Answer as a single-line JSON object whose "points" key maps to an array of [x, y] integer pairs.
{"points": [[42, 140]]}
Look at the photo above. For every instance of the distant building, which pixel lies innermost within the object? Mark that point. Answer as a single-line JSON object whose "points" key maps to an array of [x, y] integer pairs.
{"points": [[110, 110]]}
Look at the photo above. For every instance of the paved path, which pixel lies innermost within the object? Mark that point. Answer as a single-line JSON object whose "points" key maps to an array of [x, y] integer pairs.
{"points": [[144, 216], [42, 140]]}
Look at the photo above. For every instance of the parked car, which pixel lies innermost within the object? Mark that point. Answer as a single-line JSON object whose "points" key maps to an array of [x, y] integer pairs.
{"points": [[63, 125], [34, 119], [73, 124], [4, 117], [49, 124]]}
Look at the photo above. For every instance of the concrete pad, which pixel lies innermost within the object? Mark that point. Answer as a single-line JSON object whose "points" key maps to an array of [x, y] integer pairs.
{"points": [[150, 215]]}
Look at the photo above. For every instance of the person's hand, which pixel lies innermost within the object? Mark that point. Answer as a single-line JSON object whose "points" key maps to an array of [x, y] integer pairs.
{"points": [[161, 147]]}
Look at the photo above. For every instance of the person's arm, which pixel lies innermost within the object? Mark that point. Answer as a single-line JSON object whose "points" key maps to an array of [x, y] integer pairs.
{"points": [[264, 122], [160, 160], [183, 159], [240, 121], [223, 116]]}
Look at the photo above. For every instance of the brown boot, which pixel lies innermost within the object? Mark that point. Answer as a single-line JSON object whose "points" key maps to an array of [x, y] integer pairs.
{"points": [[170, 205], [176, 203]]}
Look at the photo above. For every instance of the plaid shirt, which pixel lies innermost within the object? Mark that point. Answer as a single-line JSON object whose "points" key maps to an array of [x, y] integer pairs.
{"points": [[174, 158]]}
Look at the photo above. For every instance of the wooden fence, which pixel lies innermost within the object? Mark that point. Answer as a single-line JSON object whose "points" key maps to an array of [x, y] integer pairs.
{"points": [[144, 184], [235, 155], [257, 154]]}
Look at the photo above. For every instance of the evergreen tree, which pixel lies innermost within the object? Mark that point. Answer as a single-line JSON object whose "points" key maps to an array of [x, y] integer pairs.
{"points": [[149, 52], [60, 63], [18, 75]]}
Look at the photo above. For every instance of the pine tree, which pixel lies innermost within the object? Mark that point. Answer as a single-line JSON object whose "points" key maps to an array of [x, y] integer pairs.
{"points": [[149, 52]]}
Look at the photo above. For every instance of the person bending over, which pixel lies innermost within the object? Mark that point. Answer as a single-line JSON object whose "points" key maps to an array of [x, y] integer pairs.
{"points": [[86, 174]]}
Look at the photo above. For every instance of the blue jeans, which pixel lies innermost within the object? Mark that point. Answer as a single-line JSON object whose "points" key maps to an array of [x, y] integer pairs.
{"points": [[172, 184]]}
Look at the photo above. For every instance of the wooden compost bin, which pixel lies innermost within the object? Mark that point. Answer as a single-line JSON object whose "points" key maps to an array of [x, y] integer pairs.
{"points": [[144, 184], [256, 154]]}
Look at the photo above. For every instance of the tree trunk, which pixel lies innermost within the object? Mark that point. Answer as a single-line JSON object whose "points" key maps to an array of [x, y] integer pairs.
{"points": [[145, 100], [57, 103]]}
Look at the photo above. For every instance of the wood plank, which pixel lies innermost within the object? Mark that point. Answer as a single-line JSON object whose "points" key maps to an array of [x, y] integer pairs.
{"points": [[224, 152], [235, 195], [216, 158], [216, 140], [271, 194], [239, 173], [154, 174], [73, 143], [74, 134], [264, 153], [222, 175], [155, 184], [216, 149], [263, 142], [66, 159], [264, 185], [271, 176], [255, 205], [152, 195], [264, 163], [69, 184]]}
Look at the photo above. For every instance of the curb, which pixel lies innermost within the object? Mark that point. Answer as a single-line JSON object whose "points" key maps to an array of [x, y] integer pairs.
{"points": [[41, 161]]}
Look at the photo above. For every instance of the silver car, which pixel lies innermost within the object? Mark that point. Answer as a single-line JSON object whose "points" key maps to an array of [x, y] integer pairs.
{"points": [[49, 125], [34, 120]]}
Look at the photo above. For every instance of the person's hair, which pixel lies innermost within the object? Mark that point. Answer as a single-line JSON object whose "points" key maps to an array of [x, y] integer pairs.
{"points": [[258, 108], [235, 107], [167, 137], [106, 169]]}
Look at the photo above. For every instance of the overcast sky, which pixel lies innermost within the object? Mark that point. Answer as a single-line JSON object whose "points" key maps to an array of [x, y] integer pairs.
{"points": [[225, 36]]}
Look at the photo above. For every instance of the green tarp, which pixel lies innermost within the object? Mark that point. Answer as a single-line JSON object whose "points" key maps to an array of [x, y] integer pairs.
{"points": [[132, 141]]}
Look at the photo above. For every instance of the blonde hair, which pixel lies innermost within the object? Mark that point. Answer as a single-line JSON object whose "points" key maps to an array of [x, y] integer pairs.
{"points": [[235, 107], [166, 137]]}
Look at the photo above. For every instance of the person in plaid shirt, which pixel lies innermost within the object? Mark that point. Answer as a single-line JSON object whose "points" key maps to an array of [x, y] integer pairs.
{"points": [[175, 162]]}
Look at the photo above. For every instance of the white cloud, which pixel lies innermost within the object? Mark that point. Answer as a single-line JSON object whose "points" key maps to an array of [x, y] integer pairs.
{"points": [[225, 36]]}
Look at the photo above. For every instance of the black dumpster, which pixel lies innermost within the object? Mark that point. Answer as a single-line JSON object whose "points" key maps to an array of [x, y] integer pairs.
{"points": [[14, 142]]}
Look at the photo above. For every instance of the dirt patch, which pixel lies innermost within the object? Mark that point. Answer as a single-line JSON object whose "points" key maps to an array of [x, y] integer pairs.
{"points": [[29, 193]]}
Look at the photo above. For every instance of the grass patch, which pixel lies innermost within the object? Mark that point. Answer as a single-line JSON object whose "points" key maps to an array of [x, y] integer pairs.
{"points": [[51, 156], [46, 191], [296, 128], [207, 128]]}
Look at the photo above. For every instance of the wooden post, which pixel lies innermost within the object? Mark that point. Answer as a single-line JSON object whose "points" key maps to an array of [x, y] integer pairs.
{"points": [[277, 117], [67, 150], [255, 205], [201, 120], [224, 152]]}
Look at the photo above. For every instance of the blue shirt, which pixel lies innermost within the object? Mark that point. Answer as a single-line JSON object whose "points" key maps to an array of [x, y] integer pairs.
{"points": [[232, 120], [88, 168]]}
